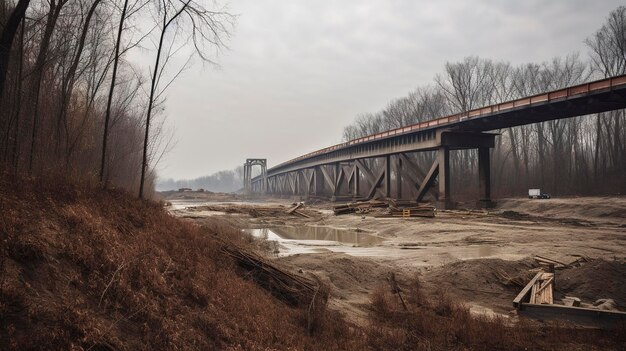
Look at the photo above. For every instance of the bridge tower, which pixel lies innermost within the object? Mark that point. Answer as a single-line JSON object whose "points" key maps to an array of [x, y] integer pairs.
{"points": [[257, 187]]}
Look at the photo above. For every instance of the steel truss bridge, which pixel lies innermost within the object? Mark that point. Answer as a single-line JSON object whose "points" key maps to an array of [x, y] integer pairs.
{"points": [[340, 171]]}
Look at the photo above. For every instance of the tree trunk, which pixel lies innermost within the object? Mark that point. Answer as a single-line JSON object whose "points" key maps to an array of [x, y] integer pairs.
{"points": [[68, 83], [107, 116], [53, 15], [6, 39]]}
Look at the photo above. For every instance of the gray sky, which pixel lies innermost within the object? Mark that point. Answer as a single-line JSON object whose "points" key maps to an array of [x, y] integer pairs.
{"points": [[298, 71]]}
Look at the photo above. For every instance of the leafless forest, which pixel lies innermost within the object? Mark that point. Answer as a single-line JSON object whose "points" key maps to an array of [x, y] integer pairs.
{"points": [[71, 101], [584, 155]]}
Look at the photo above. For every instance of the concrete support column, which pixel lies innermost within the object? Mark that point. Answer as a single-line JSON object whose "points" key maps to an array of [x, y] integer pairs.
{"points": [[484, 178], [263, 178], [443, 157], [357, 179], [317, 190], [336, 190], [246, 178], [387, 178], [398, 177]]}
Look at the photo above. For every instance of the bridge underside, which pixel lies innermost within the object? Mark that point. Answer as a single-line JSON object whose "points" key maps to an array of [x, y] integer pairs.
{"points": [[370, 174]]}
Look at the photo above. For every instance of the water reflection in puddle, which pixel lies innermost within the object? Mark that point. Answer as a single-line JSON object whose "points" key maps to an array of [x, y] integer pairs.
{"points": [[310, 239]]}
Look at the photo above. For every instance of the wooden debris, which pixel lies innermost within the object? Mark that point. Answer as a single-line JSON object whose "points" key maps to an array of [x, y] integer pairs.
{"points": [[301, 214], [506, 279], [297, 206], [538, 291], [360, 207], [292, 288], [536, 301], [543, 289], [294, 210], [560, 265], [395, 288], [548, 261]]}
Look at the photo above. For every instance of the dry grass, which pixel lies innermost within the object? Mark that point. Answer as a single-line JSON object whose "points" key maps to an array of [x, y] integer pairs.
{"points": [[440, 323], [83, 268]]}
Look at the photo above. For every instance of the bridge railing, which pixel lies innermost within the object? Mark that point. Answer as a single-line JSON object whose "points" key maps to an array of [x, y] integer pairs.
{"points": [[584, 88]]}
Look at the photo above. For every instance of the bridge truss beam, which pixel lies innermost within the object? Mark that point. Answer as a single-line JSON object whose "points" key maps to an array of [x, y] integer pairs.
{"points": [[371, 174]]}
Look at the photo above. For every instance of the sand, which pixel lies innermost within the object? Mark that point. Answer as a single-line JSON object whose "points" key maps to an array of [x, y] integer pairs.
{"points": [[464, 252]]}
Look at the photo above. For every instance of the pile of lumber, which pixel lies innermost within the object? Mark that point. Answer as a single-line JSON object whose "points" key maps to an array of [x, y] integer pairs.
{"points": [[541, 291], [294, 289], [358, 207], [397, 208], [554, 264]]}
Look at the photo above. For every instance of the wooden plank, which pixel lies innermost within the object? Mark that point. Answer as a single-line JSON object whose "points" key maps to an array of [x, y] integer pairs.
{"points": [[518, 299], [297, 206], [548, 260], [533, 293], [301, 214]]}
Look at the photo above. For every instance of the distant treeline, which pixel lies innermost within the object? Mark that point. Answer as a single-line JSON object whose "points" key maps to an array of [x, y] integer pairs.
{"points": [[582, 155], [222, 181]]}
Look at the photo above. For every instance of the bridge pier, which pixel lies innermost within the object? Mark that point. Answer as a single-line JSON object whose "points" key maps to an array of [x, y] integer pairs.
{"points": [[443, 160], [484, 178]]}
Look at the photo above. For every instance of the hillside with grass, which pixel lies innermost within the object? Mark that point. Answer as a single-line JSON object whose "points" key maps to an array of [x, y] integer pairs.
{"points": [[90, 269]]}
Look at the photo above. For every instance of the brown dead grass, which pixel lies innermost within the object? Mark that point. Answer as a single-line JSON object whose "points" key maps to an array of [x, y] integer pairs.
{"points": [[439, 323], [82, 268]]}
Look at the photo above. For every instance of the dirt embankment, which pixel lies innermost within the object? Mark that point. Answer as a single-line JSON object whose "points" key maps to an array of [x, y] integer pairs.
{"points": [[86, 269], [585, 209]]}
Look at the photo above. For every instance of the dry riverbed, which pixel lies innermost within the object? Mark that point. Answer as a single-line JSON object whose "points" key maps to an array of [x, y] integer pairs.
{"points": [[468, 254]]}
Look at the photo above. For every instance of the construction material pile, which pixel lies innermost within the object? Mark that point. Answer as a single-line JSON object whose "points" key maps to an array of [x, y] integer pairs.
{"points": [[396, 208], [359, 207], [294, 289], [296, 210], [541, 291]]}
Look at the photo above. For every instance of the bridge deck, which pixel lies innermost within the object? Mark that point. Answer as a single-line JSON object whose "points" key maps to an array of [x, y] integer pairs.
{"points": [[594, 97]]}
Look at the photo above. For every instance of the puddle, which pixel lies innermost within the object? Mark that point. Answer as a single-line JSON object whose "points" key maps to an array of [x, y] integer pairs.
{"points": [[311, 239]]}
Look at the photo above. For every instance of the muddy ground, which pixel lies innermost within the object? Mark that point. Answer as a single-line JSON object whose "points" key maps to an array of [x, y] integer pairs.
{"points": [[473, 256]]}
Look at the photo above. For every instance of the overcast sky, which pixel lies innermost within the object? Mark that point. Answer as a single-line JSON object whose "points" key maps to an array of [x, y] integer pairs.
{"points": [[297, 71]]}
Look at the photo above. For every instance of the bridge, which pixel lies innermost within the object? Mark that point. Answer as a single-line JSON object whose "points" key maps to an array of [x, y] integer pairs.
{"points": [[340, 171]]}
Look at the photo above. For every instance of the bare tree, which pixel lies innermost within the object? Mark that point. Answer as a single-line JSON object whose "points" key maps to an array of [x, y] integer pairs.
{"points": [[208, 28]]}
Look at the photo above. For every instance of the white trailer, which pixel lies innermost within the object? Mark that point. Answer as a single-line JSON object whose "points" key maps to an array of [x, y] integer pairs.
{"points": [[536, 194]]}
